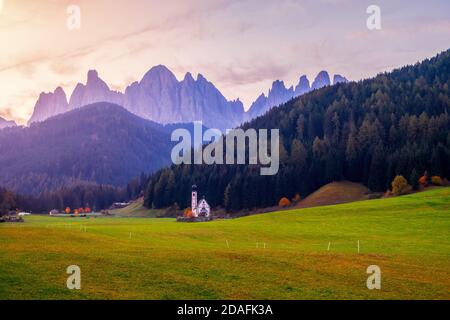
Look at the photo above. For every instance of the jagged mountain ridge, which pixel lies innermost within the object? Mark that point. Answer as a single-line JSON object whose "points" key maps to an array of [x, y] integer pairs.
{"points": [[160, 97], [279, 94]]}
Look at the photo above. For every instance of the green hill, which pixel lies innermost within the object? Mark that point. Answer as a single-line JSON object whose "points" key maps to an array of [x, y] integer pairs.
{"points": [[282, 255]]}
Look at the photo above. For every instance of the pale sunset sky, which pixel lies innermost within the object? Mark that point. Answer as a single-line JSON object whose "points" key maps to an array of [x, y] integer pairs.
{"points": [[241, 46]]}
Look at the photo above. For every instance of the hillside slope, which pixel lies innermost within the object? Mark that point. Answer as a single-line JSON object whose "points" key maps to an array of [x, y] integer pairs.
{"points": [[136, 210], [335, 193], [101, 143]]}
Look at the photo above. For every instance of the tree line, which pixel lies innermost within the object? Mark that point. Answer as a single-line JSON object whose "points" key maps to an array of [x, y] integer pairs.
{"points": [[93, 196]]}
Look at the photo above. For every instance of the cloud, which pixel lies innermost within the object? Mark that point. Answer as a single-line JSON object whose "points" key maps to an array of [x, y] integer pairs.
{"points": [[9, 113], [168, 24], [240, 71], [240, 45], [253, 71]]}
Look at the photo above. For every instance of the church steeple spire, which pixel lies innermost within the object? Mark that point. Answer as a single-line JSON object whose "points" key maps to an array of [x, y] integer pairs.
{"points": [[194, 200]]}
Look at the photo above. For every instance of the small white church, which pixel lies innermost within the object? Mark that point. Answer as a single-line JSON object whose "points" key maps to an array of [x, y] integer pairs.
{"points": [[199, 209]]}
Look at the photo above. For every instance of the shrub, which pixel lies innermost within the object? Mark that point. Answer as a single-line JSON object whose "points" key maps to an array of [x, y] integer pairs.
{"points": [[284, 203], [437, 181], [399, 185], [188, 213], [423, 181], [297, 198]]}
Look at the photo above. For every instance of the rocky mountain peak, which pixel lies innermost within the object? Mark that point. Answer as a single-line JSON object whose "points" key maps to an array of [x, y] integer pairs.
{"points": [[92, 76], [277, 87], [339, 79], [201, 79], [303, 86], [95, 90], [322, 80], [188, 77], [49, 104], [159, 73]]}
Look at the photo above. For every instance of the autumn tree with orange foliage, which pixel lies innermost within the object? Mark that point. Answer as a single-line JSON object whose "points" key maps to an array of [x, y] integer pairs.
{"points": [[284, 203], [423, 181], [188, 213], [437, 181]]}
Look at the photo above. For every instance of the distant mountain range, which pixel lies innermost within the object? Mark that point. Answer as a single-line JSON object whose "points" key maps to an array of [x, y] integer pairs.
{"points": [[101, 143], [102, 136], [160, 97], [279, 94], [5, 123]]}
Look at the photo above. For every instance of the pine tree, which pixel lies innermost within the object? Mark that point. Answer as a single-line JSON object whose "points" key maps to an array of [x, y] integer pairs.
{"points": [[377, 169], [414, 179]]}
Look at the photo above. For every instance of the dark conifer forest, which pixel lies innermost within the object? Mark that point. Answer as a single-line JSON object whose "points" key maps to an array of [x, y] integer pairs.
{"points": [[369, 131], [96, 197]]}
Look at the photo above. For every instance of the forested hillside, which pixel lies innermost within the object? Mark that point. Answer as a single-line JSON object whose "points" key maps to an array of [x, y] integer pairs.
{"points": [[101, 143], [369, 131]]}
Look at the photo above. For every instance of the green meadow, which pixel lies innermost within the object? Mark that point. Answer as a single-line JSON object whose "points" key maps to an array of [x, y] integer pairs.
{"points": [[298, 254]]}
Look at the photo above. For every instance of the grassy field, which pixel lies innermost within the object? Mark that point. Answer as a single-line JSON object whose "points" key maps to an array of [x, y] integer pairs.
{"points": [[280, 255]]}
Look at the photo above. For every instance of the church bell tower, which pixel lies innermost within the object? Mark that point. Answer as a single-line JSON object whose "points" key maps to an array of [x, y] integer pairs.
{"points": [[194, 200]]}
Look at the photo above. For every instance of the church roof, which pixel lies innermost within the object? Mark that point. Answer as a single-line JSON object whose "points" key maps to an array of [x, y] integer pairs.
{"points": [[203, 201]]}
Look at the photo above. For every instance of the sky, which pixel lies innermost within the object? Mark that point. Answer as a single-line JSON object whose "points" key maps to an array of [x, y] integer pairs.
{"points": [[241, 46]]}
